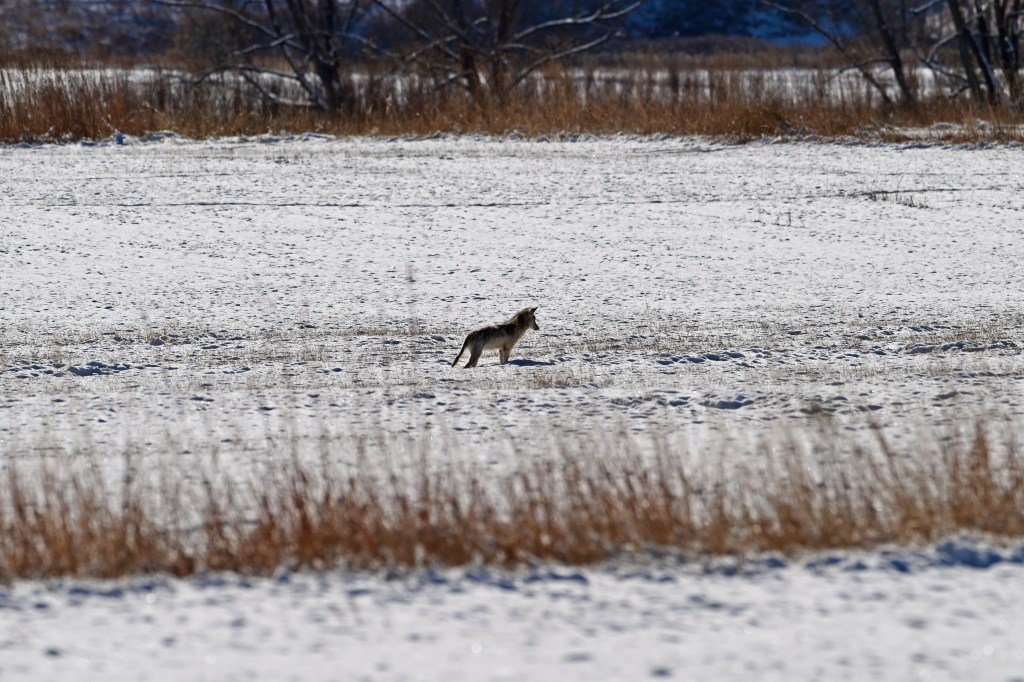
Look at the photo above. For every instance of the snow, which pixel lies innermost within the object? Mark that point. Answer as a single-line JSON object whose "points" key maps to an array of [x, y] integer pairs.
{"points": [[683, 286], [787, 84], [900, 615], [236, 295]]}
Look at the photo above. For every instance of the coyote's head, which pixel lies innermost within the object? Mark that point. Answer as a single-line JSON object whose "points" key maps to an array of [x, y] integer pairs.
{"points": [[527, 318]]}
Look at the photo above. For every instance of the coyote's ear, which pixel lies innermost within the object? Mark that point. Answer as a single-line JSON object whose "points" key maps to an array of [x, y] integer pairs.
{"points": [[534, 309]]}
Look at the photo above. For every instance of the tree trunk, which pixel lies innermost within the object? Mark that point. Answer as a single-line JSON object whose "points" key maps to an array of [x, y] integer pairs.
{"points": [[963, 42], [1004, 20], [467, 53], [315, 26], [503, 29], [327, 66], [895, 60]]}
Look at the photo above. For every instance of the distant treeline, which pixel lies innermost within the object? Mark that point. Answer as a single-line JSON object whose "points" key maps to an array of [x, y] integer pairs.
{"points": [[145, 27], [305, 53]]}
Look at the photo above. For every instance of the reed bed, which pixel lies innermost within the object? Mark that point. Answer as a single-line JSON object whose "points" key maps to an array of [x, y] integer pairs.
{"points": [[585, 502], [70, 103]]}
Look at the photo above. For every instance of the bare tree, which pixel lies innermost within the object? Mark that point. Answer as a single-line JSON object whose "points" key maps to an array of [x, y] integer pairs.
{"points": [[882, 20], [311, 37], [975, 45], [972, 55], [489, 47], [988, 34], [1008, 22], [843, 24]]}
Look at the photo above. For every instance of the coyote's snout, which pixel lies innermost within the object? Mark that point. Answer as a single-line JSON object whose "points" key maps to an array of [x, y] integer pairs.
{"points": [[501, 336]]}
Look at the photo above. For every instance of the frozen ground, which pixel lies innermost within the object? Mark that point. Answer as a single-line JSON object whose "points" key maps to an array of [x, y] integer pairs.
{"points": [[683, 286], [950, 613], [234, 295]]}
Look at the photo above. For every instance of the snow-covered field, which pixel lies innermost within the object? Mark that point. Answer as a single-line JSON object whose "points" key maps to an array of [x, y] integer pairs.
{"points": [[680, 284], [187, 297], [931, 615]]}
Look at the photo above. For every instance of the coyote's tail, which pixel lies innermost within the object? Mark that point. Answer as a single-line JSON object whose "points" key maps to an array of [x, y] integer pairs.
{"points": [[464, 346]]}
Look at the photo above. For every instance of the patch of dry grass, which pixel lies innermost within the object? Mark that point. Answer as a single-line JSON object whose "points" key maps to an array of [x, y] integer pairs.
{"points": [[591, 500], [63, 101], [897, 197]]}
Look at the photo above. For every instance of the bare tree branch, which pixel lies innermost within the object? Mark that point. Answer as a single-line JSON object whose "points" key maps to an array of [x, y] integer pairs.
{"points": [[493, 46], [834, 38], [309, 36], [215, 7], [556, 56], [603, 13]]}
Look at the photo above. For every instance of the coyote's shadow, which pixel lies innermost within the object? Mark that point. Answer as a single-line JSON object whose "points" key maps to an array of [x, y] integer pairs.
{"points": [[530, 363]]}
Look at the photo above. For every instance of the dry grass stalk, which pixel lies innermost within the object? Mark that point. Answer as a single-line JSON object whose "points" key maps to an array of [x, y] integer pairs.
{"points": [[588, 503], [63, 102]]}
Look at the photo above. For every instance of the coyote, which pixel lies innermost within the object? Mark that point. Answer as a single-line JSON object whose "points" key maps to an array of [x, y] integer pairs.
{"points": [[501, 336]]}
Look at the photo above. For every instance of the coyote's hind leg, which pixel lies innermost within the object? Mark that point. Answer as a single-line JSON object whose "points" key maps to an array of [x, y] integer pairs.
{"points": [[464, 346], [474, 355]]}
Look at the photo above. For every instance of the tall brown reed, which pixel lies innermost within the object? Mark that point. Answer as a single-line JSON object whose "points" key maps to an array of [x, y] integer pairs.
{"points": [[587, 502], [66, 102]]}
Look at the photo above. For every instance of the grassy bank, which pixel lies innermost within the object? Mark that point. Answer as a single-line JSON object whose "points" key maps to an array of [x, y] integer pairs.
{"points": [[68, 103], [586, 502]]}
